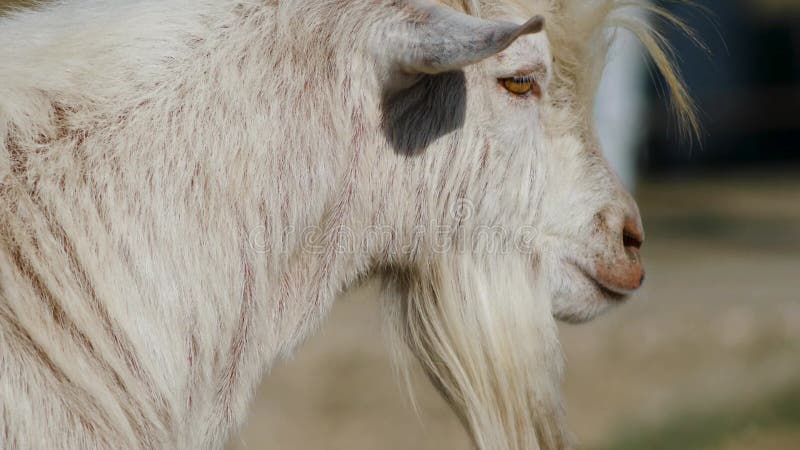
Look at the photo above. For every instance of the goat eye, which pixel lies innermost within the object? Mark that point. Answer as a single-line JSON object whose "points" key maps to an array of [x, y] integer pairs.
{"points": [[521, 86]]}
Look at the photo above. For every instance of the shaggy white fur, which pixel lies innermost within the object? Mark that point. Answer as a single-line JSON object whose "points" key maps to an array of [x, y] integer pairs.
{"points": [[185, 187], [483, 330]]}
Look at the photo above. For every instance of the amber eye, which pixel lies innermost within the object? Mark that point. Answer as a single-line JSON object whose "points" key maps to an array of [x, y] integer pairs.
{"points": [[521, 86]]}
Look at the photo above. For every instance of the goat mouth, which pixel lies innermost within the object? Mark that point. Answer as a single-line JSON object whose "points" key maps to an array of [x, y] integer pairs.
{"points": [[606, 292], [602, 289]]}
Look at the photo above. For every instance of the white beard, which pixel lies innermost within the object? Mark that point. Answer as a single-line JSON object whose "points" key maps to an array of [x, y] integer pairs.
{"points": [[483, 330]]}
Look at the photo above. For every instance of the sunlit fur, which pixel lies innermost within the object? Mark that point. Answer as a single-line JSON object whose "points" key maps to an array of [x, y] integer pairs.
{"points": [[187, 185]]}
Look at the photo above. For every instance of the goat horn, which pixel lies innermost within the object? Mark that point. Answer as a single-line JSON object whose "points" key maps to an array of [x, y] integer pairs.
{"points": [[440, 39]]}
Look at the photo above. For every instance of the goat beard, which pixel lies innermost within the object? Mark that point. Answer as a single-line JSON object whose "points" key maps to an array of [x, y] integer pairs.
{"points": [[483, 331]]}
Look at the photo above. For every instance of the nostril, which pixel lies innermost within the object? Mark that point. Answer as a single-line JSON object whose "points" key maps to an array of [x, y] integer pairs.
{"points": [[632, 234], [629, 240]]}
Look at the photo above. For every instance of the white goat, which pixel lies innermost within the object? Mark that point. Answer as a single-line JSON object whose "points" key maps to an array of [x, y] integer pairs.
{"points": [[186, 186]]}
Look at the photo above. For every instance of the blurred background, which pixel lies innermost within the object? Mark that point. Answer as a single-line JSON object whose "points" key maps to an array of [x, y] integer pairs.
{"points": [[707, 356]]}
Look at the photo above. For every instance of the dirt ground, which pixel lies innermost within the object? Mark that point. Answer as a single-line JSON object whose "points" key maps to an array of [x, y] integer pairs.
{"points": [[705, 357]]}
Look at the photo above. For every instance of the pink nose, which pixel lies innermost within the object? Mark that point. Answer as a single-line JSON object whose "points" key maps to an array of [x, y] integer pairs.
{"points": [[624, 273]]}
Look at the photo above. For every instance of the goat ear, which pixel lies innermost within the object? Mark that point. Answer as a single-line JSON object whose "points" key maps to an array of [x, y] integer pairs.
{"points": [[438, 39]]}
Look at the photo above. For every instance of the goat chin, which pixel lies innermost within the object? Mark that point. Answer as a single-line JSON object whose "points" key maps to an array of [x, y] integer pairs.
{"points": [[483, 331]]}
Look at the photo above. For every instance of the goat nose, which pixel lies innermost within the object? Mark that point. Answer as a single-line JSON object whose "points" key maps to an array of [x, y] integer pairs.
{"points": [[621, 271]]}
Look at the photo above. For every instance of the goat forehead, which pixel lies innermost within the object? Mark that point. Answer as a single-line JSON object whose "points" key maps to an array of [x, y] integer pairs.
{"points": [[528, 54]]}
